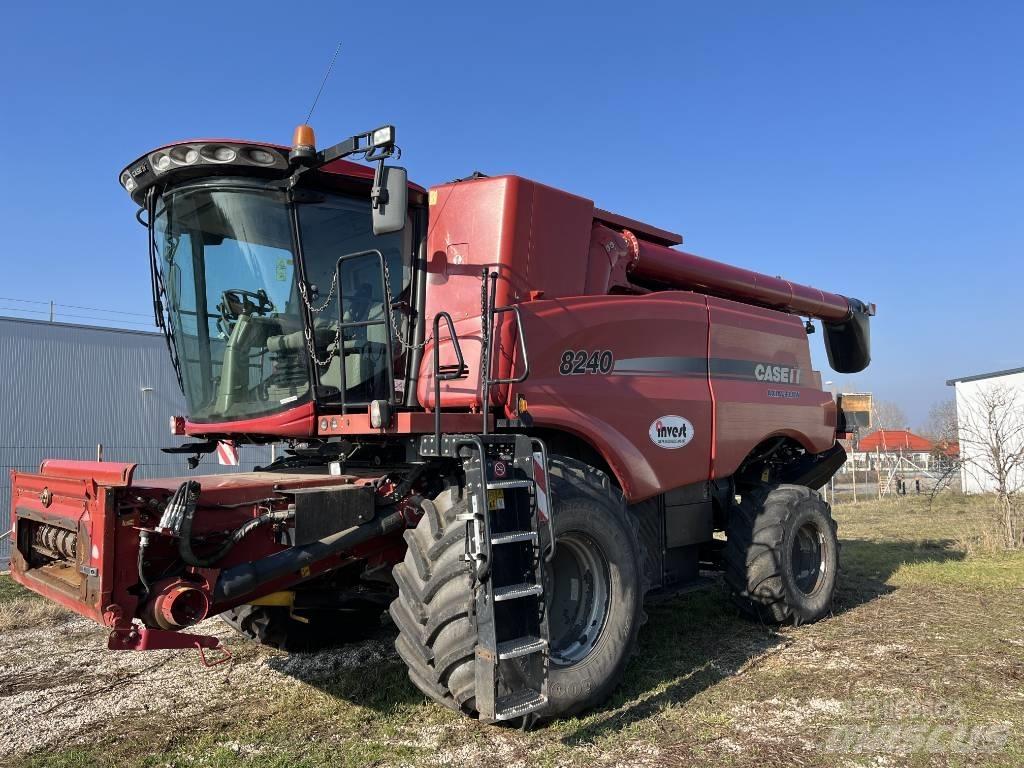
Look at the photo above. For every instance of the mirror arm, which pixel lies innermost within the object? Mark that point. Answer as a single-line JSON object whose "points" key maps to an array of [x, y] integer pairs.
{"points": [[378, 193]]}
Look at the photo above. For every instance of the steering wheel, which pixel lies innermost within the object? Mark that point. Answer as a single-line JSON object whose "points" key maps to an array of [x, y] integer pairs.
{"points": [[236, 302]]}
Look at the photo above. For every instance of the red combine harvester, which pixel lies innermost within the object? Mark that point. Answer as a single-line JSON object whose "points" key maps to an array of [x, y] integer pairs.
{"points": [[510, 415]]}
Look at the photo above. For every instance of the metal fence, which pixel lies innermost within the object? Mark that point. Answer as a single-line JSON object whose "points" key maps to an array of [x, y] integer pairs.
{"points": [[151, 463], [5, 549]]}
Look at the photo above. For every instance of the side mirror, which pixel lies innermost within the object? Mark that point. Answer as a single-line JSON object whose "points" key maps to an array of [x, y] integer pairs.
{"points": [[391, 200]]}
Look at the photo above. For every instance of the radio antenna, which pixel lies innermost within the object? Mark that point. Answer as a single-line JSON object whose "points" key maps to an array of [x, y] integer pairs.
{"points": [[324, 82]]}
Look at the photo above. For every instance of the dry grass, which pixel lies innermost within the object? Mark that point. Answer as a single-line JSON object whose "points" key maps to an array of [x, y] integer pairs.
{"points": [[22, 613], [924, 655], [21, 609]]}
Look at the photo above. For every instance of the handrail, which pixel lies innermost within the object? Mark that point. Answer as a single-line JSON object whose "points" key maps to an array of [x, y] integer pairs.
{"points": [[514, 309], [384, 320], [487, 352], [539, 446], [452, 372]]}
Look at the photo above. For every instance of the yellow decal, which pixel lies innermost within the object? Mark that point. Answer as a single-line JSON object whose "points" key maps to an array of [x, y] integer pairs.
{"points": [[495, 500], [286, 599], [432, 197]]}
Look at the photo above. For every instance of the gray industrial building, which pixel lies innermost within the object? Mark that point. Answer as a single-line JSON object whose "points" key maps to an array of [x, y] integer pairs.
{"points": [[72, 388]]}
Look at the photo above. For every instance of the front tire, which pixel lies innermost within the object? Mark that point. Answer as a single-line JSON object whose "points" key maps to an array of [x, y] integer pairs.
{"points": [[595, 588], [782, 555]]}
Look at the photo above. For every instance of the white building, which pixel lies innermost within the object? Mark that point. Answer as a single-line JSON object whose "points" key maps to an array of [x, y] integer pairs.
{"points": [[990, 412]]}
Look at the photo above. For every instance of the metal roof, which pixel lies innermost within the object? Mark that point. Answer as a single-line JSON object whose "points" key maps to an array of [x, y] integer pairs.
{"points": [[62, 324], [980, 376]]}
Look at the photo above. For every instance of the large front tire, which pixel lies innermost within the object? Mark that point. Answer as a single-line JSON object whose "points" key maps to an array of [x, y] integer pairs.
{"points": [[595, 590], [782, 555]]}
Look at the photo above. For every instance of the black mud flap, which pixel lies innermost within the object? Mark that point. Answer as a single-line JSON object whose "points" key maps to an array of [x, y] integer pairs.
{"points": [[815, 469]]}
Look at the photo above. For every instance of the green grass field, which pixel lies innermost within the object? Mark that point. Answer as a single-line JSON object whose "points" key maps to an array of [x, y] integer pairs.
{"points": [[921, 664]]}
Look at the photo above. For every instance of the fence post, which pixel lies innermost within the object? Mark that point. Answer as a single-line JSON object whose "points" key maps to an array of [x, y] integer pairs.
{"points": [[854, 473]]}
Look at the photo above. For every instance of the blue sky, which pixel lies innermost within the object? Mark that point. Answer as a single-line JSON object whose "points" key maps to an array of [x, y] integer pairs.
{"points": [[865, 148]]}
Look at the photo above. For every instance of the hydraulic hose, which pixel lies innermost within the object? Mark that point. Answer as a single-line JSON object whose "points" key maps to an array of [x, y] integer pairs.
{"points": [[180, 511], [185, 542]]}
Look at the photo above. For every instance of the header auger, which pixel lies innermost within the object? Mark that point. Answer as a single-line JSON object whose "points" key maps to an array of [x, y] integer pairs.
{"points": [[495, 396]]}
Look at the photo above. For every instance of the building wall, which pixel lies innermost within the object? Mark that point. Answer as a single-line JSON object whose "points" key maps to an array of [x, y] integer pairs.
{"points": [[871, 460], [976, 463], [69, 388]]}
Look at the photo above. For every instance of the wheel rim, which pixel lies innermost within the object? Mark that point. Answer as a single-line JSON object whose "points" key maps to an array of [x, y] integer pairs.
{"points": [[580, 598], [810, 563]]}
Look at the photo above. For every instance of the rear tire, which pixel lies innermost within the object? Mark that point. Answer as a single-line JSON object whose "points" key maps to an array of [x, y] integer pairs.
{"points": [[596, 587], [782, 555]]}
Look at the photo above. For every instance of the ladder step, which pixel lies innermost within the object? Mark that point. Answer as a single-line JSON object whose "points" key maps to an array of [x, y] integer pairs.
{"points": [[516, 591], [519, 704], [501, 485], [521, 646], [513, 536]]}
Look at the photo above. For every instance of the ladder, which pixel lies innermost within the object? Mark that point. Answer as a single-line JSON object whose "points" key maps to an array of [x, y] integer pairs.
{"points": [[508, 530]]}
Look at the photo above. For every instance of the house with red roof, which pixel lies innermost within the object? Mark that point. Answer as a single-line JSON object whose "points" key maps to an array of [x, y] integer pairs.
{"points": [[894, 441], [883, 445]]}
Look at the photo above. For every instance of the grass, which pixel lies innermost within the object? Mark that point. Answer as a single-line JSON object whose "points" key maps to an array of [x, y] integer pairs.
{"points": [[924, 653], [11, 590], [21, 609]]}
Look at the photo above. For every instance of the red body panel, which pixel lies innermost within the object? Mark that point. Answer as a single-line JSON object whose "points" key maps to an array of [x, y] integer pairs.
{"points": [[751, 408], [402, 423], [737, 372], [510, 226], [654, 375], [294, 422]]}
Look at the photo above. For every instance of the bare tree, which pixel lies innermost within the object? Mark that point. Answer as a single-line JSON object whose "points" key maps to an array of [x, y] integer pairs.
{"points": [[888, 415], [992, 450], [941, 424], [941, 428]]}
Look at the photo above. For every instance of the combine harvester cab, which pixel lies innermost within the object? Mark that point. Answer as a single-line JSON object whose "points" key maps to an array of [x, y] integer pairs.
{"points": [[509, 415]]}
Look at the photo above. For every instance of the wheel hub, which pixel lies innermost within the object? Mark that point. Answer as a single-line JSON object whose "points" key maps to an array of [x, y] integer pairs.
{"points": [[580, 597], [809, 560]]}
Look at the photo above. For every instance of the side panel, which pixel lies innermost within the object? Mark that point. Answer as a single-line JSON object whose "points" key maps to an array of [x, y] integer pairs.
{"points": [[69, 496], [534, 237], [763, 383], [655, 368]]}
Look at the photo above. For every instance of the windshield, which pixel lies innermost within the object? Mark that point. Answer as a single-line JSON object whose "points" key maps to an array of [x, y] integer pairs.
{"points": [[234, 299]]}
